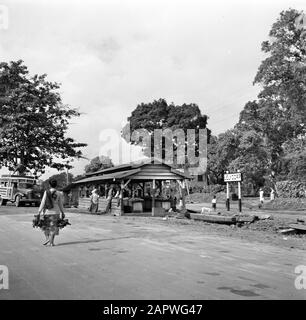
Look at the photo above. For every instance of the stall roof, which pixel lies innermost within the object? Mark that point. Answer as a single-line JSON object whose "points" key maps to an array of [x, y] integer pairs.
{"points": [[128, 166], [111, 176], [141, 172], [121, 167]]}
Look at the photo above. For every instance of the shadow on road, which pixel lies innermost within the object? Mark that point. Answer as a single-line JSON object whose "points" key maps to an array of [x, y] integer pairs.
{"points": [[90, 241]]}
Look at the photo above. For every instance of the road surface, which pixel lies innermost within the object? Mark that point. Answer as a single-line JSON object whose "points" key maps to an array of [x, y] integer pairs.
{"points": [[106, 257]]}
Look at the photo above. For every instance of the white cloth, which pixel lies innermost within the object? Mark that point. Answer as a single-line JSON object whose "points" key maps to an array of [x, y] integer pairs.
{"points": [[95, 198]]}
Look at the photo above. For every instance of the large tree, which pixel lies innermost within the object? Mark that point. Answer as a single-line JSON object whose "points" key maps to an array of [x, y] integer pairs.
{"points": [[161, 115], [279, 114], [268, 142], [292, 165], [99, 163], [33, 122], [283, 73]]}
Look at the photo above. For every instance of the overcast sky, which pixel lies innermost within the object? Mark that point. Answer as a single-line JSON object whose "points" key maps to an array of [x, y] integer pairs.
{"points": [[112, 55]]}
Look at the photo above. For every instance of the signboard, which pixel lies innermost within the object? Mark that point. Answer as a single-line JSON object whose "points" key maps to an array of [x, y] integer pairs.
{"points": [[233, 177]]}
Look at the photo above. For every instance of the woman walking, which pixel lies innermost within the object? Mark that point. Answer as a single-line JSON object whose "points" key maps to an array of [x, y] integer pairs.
{"points": [[52, 210]]}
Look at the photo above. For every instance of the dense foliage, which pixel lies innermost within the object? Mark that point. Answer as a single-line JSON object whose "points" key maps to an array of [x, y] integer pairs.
{"points": [[268, 143], [99, 163], [161, 115], [33, 122]]}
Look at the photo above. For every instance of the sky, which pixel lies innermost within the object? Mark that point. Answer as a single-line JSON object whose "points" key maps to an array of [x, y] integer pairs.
{"points": [[111, 55]]}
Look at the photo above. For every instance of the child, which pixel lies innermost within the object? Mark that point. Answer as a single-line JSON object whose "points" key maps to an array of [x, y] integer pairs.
{"points": [[214, 203]]}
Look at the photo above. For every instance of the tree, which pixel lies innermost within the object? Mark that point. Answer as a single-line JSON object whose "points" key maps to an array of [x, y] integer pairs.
{"points": [[61, 179], [222, 150], [268, 142], [161, 115], [251, 159], [292, 165], [99, 163], [279, 114], [33, 122], [282, 73]]}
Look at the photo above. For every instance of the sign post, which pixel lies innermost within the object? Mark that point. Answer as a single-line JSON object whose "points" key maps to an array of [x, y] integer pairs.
{"points": [[239, 195], [153, 197], [233, 177], [227, 195]]}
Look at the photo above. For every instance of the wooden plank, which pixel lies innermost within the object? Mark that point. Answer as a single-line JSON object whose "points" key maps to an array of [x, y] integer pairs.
{"points": [[298, 226], [287, 231], [155, 166], [150, 167], [84, 203], [153, 174], [155, 170], [213, 218], [168, 177], [246, 218]]}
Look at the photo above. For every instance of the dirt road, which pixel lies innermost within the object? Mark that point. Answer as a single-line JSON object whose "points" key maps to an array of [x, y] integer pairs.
{"points": [[106, 257]]}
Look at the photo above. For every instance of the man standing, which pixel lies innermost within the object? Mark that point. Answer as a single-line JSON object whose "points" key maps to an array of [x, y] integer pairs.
{"points": [[109, 199], [261, 196], [214, 203], [94, 201]]}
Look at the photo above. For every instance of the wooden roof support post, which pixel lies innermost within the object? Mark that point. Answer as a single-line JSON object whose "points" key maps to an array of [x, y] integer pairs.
{"points": [[184, 193], [182, 188], [125, 185], [153, 198], [121, 198], [105, 190]]}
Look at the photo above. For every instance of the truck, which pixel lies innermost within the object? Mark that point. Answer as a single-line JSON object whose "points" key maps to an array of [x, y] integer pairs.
{"points": [[20, 190]]}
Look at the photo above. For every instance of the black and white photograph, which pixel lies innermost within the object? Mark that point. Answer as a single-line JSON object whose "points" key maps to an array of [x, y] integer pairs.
{"points": [[152, 151]]}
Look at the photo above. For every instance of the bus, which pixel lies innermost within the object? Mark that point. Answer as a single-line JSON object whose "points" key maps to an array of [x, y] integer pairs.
{"points": [[20, 190]]}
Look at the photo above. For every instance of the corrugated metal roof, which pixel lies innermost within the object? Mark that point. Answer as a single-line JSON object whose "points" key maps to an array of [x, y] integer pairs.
{"points": [[135, 171], [111, 176], [131, 165]]}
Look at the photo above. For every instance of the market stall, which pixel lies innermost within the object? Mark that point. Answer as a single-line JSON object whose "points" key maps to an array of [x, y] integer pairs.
{"points": [[134, 187]]}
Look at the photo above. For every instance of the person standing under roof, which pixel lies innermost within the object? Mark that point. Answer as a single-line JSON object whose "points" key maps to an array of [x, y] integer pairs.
{"points": [[94, 201]]}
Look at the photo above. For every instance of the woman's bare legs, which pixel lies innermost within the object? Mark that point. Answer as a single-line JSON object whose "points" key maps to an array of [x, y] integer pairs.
{"points": [[47, 235], [52, 236]]}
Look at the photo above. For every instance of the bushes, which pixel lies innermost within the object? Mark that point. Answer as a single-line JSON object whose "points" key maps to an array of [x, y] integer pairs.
{"points": [[291, 189]]}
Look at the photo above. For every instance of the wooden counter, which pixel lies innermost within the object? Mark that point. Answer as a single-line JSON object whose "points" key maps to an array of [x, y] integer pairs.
{"points": [[130, 205], [84, 203]]}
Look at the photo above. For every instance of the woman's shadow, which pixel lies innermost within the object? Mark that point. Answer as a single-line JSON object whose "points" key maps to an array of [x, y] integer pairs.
{"points": [[90, 241]]}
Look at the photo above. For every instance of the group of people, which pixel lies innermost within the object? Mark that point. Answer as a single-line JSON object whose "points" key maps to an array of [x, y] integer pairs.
{"points": [[261, 195], [261, 198], [94, 199]]}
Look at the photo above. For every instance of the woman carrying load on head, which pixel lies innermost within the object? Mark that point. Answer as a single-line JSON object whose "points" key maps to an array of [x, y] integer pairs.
{"points": [[52, 210]]}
